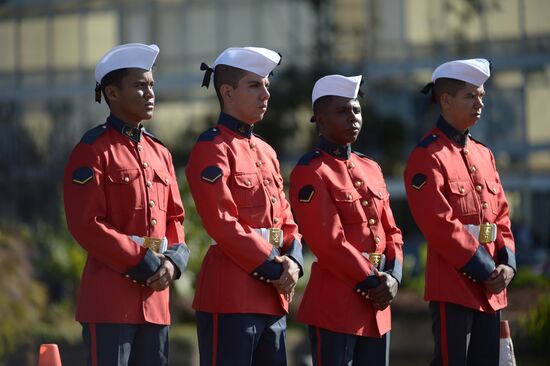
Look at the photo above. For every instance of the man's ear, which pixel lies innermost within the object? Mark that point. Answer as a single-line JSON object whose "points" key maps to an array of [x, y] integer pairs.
{"points": [[226, 92], [111, 92], [444, 100]]}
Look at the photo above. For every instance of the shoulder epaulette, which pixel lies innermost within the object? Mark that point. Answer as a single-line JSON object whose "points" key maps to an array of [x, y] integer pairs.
{"points": [[209, 134], [306, 158], [91, 135], [258, 136], [360, 154], [426, 141], [153, 137]]}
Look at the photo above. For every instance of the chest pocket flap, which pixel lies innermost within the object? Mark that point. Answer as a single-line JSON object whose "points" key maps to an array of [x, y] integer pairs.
{"points": [[349, 206]]}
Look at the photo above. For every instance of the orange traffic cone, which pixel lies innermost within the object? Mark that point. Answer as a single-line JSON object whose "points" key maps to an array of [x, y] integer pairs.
{"points": [[506, 354], [49, 355]]}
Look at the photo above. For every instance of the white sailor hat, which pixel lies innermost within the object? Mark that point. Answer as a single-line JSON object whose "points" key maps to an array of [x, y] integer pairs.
{"points": [[130, 55], [260, 61], [474, 71], [337, 85]]}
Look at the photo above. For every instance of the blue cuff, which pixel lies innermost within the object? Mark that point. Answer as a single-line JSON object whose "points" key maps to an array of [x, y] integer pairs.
{"points": [[269, 270], [370, 282], [179, 256], [395, 269], [506, 256], [295, 253], [145, 268], [480, 266]]}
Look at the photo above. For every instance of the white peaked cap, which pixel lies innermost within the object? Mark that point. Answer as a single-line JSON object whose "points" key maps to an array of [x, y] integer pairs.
{"points": [[258, 60], [337, 85], [474, 71], [130, 55]]}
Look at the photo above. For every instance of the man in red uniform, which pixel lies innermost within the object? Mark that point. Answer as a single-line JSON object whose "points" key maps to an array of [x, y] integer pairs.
{"points": [[340, 200], [457, 200], [248, 275], [123, 207]]}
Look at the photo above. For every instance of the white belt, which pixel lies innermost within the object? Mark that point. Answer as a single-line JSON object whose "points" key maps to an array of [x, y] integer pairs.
{"points": [[273, 236], [485, 233]]}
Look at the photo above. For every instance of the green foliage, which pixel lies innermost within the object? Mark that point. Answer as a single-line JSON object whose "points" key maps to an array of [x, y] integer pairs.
{"points": [[525, 276], [22, 299], [536, 326], [413, 273]]}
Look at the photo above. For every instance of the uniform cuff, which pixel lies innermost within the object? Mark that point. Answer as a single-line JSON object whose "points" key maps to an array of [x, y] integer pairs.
{"points": [[269, 270], [295, 253], [480, 266], [395, 269], [508, 257], [145, 268], [179, 256], [365, 285]]}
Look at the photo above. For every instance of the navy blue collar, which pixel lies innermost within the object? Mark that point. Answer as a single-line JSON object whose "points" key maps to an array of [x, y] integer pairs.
{"points": [[338, 151], [235, 125], [461, 138], [129, 131]]}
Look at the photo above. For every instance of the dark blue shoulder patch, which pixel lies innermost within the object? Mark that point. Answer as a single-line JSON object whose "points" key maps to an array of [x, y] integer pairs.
{"points": [[152, 136], [209, 134], [306, 159], [427, 140], [91, 135], [258, 136], [476, 140], [360, 154]]}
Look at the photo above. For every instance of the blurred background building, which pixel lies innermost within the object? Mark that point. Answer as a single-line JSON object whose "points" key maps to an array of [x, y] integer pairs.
{"points": [[48, 53]]}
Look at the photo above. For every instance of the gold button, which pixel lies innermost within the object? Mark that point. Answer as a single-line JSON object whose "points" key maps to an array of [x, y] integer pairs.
{"points": [[275, 220], [485, 205], [494, 190], [268, 280], [126, 179], [166, 180], [127, 276], [145, 165], [466, 151], [261, 278], [248, 183], [372, 221], [377, 240], [255, 274], [462, 190], [140, 147], [358, 291], [479, 188], [351, 165], [252, 145], [151, 203], [434, 135], [266, 182], [363, 293], [259, 163], [349, 197], [149, 184], [358, 183], [153, 222], [473, 169], [365, 203], [273, 199]]}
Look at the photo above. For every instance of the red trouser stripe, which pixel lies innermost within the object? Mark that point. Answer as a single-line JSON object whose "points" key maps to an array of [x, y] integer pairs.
{"points": [[443, 322], [93, 344], [319, 358], [214, 339]]}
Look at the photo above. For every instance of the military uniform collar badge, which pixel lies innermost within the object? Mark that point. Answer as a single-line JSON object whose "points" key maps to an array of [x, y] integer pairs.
{"points": [[461, 138], [235, 125], [131, 132], [338, 151]]}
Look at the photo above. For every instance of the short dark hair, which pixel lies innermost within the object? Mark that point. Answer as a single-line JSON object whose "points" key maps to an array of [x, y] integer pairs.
{"points": [[225, 74], [446, 85], [115, 78]]}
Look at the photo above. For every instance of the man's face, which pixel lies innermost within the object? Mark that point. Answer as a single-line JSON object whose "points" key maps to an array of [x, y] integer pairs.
{"points": [[134, 100], [464, 109], [248, 102], [340, 120]]}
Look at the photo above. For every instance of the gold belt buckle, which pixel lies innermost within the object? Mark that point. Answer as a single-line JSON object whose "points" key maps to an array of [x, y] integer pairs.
{"points": [[375, 259], [152, 243], [485, 233], [274, 236]]}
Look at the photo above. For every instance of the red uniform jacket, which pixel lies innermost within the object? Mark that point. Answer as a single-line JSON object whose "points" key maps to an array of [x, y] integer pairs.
{"points": [[120, 181], [342, 205], [237, 186], [451, 180]]}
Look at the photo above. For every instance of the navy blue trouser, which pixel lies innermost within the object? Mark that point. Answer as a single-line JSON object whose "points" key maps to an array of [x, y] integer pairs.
{"points": [[339, 349], [464, 336], [126, 344], [241, 339]]}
